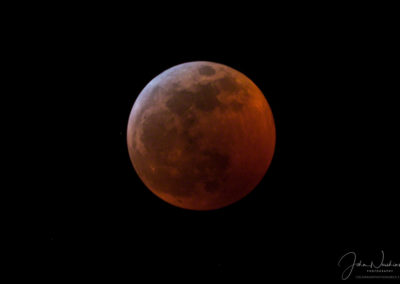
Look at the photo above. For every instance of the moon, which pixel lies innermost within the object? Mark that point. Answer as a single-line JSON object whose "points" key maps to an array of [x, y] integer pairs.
{"points": [[201, 135]]}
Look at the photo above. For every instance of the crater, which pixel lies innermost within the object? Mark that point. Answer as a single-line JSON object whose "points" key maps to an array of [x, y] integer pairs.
{"points": [[206, 98], [180, 101], [191, 141], [228, 84], [213, 169], [189, 119], [207, 167], [211, 186], [214, 162], [236, 106], [206, 70], [202, 96], [158, 136]]}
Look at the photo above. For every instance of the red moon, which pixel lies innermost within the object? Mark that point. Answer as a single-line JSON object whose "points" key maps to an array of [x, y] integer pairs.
{"points": [[201, 135]]}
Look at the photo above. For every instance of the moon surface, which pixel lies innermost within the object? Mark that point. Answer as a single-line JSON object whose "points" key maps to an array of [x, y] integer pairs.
{"points": [[201, 135]]}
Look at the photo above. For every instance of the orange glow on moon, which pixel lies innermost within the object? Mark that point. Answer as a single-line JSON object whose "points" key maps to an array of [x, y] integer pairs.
{"points": [[201, 135]]}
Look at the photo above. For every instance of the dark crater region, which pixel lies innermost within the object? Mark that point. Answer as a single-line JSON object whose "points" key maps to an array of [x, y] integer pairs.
{"points": [[207, 166], [206, 70], [204, 96]]}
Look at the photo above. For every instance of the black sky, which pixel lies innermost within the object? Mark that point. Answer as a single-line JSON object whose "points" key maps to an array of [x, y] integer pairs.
{"points": [[330, 81]]}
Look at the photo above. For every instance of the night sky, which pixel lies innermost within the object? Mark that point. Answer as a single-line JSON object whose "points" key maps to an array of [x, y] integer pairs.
{"points": [[331, 186]]}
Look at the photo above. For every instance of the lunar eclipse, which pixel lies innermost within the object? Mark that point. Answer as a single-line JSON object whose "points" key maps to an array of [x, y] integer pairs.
{"points": [[201, 135]]}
